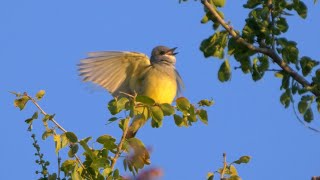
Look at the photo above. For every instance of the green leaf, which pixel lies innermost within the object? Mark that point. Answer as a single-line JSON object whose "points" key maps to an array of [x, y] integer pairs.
{"points": [[205, 102], [308, 116], [84, 144], [243, 159], [219, 3], [68, 165], [215, 44], [191, 114], [157, 116], [73, 150], [178, 120], [224, 73], [252, 4], [302, 106], [205, 19], [301, 9], [183, 104], [285, 98], [282, 24], [47, 133], [35, 115], [40, 94], [21, 102], [167, 109], [71, 137], [307, 64], [203, 116], [107, 141], [52, 176], [210, 176], [117, 105], [145, 100], [113, 119]]}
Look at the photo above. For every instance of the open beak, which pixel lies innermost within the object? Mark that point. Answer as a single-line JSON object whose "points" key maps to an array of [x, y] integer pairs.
{"points": [[171, 51]]}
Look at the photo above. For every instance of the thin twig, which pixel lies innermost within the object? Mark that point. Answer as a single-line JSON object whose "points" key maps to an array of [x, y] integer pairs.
{"points": [[272, 70], [55, 122], [224, 165], [266, 51], [123, 138], [59, 164], [44, 113]]}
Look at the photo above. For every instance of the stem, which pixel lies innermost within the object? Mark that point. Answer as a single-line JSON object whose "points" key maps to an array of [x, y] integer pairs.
{"points": [[118, 153], [224, 165], [55, 122], [266, 51]]}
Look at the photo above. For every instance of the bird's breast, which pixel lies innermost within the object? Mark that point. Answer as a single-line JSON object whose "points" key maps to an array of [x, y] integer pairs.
{"points": [[160, 84]]}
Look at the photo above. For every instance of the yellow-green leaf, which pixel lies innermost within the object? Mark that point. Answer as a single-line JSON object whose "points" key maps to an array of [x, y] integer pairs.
{"points": [[40, 94], [243, 159], [203, 116], [183, 104], [167, 109], [145, 100], [21, 102]]}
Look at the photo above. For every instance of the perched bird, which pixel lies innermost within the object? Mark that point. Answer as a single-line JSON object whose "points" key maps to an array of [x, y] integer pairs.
{"points": [[132, 72]]}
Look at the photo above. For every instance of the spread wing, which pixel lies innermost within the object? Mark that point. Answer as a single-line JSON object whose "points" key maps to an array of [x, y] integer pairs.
{"points": [[113, 69]]}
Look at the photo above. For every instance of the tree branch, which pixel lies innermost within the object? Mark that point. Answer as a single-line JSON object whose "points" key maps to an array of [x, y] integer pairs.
{"points": [[123, 138], [266, 51], [54, 121]]}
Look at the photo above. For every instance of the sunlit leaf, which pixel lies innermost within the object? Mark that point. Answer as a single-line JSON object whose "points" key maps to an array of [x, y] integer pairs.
{"points": [[308, 116], [47, 133], [145, 100], [205, 102], [243, 159], [183, 104], [203, 116], [21, 102], [167, 109], [210, 176], [224, 73], [40, 94]]}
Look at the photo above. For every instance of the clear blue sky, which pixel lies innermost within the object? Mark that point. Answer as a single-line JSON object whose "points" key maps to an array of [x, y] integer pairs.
{"points": [[42, 41]]}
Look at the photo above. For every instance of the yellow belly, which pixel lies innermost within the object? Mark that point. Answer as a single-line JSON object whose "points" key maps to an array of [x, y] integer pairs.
{"points": [[159, 86]]}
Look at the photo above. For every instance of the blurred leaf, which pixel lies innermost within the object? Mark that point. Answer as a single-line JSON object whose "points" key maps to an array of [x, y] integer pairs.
{"points": [[52, 176], [21, 102], [302, 106], [57, 141], [224, 72], [233, 170], [285, 98], [203, 116], [301, 9], [107, 141], [192, 114], [282, 24], [145, 100], [117, 105], [307, 64], [84, 144], [113, 119], [219, 3], [178, 120], [243, 159], [252, 4], [157, 116], [278, 75], [167, 109], [235, 177], [205, 102], [68, 165], [73, 150], [47, 133], [71, 137], [215, 44], [183, 104], [40, 94], [210, 176], [308, 116]]}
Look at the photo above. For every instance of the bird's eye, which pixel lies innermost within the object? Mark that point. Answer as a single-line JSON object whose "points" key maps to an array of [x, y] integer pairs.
{"points": [[162, 52]]}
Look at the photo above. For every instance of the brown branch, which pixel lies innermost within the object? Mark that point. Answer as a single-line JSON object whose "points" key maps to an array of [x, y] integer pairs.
{"points": [[123, 138], [266, 51]]}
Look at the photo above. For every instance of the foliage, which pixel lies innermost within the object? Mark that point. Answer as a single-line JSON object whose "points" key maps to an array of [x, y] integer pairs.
{"points": [[262, 41], [229, 171], [99, 163]]}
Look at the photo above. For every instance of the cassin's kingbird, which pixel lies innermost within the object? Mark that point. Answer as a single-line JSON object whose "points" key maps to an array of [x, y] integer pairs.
{"points": [[133, 72]]}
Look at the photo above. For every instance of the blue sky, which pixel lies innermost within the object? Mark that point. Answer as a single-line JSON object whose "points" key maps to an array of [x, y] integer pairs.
{"points": [[42, 41]]}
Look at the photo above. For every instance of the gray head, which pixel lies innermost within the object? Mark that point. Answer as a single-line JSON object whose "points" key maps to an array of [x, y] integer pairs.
{"points": [[163, 54]]}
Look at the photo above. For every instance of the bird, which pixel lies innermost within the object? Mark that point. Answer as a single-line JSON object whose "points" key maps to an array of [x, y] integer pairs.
{"points": [[125, 72]]}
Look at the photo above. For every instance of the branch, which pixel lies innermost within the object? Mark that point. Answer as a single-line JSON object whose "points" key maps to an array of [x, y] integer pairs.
{"points": [[123, 138], [266, 51], [54, 121]]}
